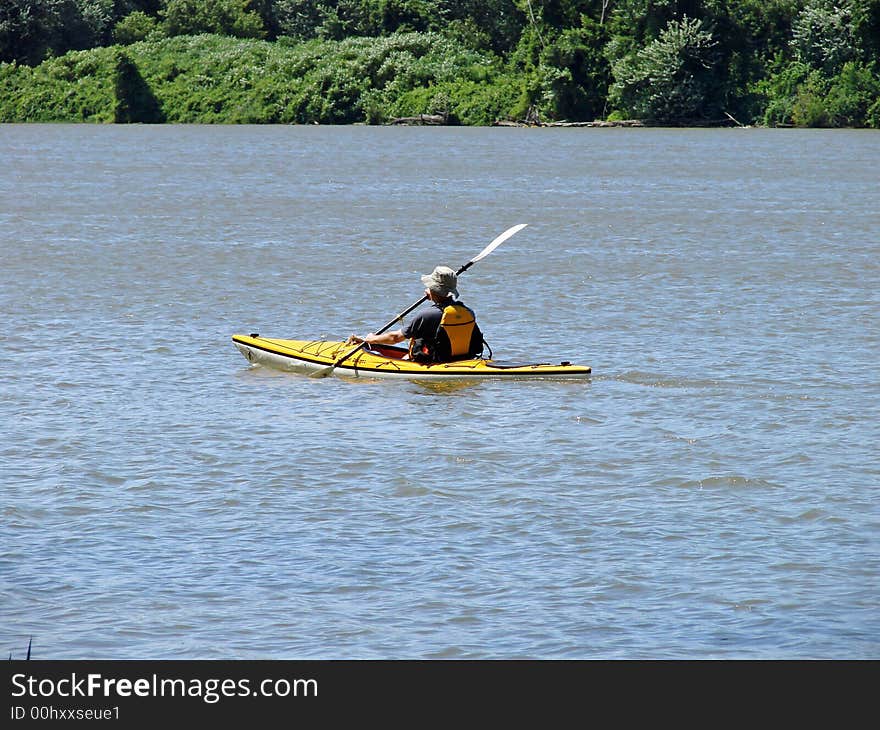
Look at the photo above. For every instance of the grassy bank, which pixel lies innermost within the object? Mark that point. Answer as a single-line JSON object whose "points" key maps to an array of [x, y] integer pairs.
{"points": [[219, 79]]}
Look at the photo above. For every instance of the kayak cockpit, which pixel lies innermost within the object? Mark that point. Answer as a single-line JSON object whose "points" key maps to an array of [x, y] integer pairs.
{"points": [[392, 352]]}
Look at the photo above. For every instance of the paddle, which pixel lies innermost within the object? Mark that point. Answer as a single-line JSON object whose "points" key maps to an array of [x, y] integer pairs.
{"points": [[324, 372]]}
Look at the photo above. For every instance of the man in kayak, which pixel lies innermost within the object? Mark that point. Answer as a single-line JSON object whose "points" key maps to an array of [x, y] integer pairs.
{"points": [[446, 331]]}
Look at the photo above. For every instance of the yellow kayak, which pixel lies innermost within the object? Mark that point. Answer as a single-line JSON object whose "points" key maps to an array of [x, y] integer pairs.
{"points": [[386, 361]]}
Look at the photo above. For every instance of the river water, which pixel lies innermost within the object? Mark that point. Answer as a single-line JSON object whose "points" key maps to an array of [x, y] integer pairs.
{"points": [[711, 492]]}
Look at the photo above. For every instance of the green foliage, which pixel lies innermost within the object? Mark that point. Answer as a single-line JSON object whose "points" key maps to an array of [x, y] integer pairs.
{"points": [[307, 19], [28, 29], [636, 23], [672, 78], [853, 94], [809, 107], [866, 28], [463, 101], [299, 19], [223, 17], [212, 79], [134, 27], [578, 93], [396, 16], [822, 35], [32, 30], [800, 95], [780, 90], [872, 116], [78, 87], [776, 62], [134, 100], [493, 25]]}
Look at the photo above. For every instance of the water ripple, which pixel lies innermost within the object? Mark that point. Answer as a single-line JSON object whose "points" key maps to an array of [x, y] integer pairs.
{"points": [[709, 493]]}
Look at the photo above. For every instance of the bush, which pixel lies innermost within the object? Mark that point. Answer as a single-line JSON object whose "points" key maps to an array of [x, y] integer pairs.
{"points": [[810, 107], [872, 116], [134, 100], [213, 79], [33, 30], [671, 79], [780, 90], [801, 96], [853, 94], [78, 87], [579, 92], [822, 35], [463, 101], [134, 27], [223, 17]]}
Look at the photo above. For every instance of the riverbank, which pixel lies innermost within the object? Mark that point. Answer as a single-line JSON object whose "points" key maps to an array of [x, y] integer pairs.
{"points": [[406, 78]]}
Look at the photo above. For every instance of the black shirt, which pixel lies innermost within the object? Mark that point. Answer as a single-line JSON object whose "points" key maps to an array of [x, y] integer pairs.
{"points": [[426, 326]]}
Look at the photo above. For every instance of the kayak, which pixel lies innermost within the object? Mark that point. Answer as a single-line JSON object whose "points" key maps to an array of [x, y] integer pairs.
{"points": [[387, 361]]}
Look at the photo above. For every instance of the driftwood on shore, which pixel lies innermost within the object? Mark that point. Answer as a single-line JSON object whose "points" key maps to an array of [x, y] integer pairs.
{"points": [[597, 123], [421, 119], [442, 119], [532, 119]]}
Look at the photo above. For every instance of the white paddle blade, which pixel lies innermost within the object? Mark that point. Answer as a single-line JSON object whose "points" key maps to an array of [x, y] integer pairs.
{"points": [[498, 241]]}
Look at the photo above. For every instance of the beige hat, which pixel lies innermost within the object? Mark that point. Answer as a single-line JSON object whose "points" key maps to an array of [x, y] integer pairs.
{"points": [[442, 280]]}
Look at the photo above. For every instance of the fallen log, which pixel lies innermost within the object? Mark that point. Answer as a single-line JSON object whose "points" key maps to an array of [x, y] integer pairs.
{"points": [[598, 123], [435, 119]]}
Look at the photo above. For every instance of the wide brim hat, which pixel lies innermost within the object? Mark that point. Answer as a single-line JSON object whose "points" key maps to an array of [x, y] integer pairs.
{"points": [[442, 280]]}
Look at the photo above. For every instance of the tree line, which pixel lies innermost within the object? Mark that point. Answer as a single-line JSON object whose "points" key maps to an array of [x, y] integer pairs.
{"points": [[667, 62]]}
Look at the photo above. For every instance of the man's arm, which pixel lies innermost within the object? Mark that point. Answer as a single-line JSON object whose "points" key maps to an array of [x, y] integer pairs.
{"points": [[386, 338]]}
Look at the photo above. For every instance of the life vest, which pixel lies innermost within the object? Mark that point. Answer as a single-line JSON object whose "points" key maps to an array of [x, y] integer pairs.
{"points": [[458, 323]]}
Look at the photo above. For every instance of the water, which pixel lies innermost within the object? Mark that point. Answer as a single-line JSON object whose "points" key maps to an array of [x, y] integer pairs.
{"points": [[711, 492]]}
